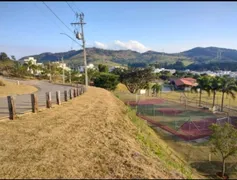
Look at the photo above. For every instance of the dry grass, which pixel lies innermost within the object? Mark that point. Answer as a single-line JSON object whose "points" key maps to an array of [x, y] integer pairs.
{"points": [[228, 101], [89, 137], [14, 89], [121, 88]]}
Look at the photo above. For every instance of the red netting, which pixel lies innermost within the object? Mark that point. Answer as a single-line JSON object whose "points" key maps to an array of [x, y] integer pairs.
{"points": [[185, 133]]}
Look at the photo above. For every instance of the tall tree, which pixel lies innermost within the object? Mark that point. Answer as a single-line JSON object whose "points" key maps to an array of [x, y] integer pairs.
{"points": [[135, 79], [156, 88], [223, 141], [229, 87], [216, 86], [103, 68], [204, 84], [3, 56]]}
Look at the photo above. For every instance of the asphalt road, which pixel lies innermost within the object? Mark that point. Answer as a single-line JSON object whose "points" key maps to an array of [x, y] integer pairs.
{"points": [[23, 102]]}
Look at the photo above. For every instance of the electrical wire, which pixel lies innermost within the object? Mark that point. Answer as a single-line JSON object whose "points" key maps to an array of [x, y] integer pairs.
{"points": [[49, 18], [76, 7], [57, 17], [71, 8]]}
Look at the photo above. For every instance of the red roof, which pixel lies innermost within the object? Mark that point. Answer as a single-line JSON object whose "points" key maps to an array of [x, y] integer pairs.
{"points": [[185, 81]]}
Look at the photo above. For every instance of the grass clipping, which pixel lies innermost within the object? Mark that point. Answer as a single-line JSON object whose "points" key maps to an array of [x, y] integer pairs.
{"points": [[91, 136], [11, 88]]}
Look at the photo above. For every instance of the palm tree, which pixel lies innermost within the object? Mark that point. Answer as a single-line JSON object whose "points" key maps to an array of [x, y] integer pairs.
{"points": [[216, 86], [204, 84], [229, 87], [156, 88]]}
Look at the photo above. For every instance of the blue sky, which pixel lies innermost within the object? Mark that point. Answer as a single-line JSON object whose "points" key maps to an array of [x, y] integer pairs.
{"points": [[28, 28]]}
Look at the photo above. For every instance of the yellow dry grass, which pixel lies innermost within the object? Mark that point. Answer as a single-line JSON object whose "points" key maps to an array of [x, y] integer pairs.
{"points": [[121, 88], [11, 88], [228, 101], [91, 136]]}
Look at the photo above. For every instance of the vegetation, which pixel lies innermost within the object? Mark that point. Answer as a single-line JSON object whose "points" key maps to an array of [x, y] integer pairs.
{"points": [[103, 68], [215, 85], [2, 83], [229, 87], [223, 141], [156, 88], [106, 80], [136, 79], [204, 84]]}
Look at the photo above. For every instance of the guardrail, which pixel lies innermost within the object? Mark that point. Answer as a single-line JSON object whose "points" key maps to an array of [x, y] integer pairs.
{"points": [[73, 93]]}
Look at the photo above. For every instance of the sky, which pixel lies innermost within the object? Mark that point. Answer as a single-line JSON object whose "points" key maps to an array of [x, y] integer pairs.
{"points": [[29, 28]]}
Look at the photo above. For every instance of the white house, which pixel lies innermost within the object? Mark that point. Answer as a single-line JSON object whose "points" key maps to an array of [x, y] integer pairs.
{"points": [[90, 66], [30, 59], [62, 65], [33, 62]]}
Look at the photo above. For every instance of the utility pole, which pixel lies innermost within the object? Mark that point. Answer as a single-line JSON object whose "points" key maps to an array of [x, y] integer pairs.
{"points": [[80, 36], [70, 80], [63, 71]]}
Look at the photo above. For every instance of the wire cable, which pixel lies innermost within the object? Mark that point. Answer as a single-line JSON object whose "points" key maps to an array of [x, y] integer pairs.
{"points": [[57, 16], [71, 8]]}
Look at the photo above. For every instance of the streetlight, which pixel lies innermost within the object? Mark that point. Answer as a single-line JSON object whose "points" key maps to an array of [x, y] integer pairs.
{"points": [[62, 57]]}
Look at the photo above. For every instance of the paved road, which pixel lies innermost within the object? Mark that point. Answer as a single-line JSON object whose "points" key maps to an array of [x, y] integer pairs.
{"points": [[23, 102]]}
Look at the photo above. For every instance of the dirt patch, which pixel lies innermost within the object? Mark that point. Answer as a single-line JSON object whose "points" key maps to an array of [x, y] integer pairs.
{"points": [[88, 137], [11, 88]]}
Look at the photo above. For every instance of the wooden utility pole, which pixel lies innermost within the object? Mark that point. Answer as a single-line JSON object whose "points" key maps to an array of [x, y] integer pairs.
{"points": [[63, 72], [80, 36]]}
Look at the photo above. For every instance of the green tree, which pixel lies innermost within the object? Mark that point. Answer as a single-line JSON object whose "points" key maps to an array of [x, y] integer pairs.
{"points": [[13, 58], [103, 68], [229, 87], [204, 84], [156, 88], [135, 79], [106, 80], [223, 141], [216, 86], [3, 56]]}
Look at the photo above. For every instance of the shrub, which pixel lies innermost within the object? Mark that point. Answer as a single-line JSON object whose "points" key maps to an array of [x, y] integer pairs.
{"points": [[2, 83], [106, 80]]}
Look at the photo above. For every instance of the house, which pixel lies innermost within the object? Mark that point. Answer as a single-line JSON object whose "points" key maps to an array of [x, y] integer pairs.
{"points": [[184, 83], [62, 65], [30, 59], [33, 62], [90, 66]]}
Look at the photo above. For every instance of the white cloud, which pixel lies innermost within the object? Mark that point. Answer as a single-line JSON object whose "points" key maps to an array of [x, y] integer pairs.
{"points": [[119, 45], [100, 45], [132, 45]]}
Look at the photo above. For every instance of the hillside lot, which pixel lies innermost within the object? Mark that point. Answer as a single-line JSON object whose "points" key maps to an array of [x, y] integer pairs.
{"points": [[92, 136]]}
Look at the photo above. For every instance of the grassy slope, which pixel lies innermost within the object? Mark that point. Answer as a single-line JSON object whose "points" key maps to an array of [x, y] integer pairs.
{"points": [[93, 136], [14, 89]]}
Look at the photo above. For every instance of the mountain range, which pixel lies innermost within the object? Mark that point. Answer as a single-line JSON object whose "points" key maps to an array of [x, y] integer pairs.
{"points": [[123, 57]]}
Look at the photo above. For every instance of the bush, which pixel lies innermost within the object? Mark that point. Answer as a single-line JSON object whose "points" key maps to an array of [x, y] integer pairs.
{"points": [[106, 80], [1, 83]]}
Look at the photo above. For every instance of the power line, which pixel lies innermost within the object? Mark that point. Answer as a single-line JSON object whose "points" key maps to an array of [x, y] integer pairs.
{"points": [[55, 23], [76, 7], [49, 18], [57, 17], [71, 8]]}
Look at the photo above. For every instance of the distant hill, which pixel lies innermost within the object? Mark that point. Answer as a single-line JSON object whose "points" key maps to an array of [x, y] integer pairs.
{"points": [[211, 54], [123, 57], [110, 57]]}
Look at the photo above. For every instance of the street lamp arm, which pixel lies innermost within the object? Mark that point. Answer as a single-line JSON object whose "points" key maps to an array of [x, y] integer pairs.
{"points": [[71, 39]]}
